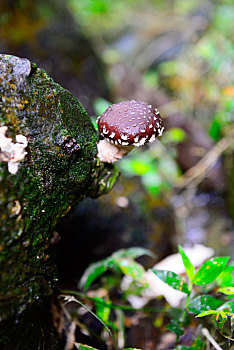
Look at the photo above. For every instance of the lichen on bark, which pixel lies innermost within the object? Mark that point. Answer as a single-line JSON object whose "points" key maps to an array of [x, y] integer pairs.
{"points": [[59, 169]]}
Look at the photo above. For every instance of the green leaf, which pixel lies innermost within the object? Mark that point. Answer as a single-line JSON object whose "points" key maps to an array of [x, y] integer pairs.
{"points": [[215, 129], [175, 327], [172, 279], [102, 311], [93, 271], [227, 307], [203, 303], [187, 264], [227, 290], [84, 347], [97, 269], [133, 252], [226, 278], [210, 270], [132, 268], [219, 320], [207, 313]]}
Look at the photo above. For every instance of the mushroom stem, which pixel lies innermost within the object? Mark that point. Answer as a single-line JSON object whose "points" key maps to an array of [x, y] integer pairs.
{"points": [[107, 152]]}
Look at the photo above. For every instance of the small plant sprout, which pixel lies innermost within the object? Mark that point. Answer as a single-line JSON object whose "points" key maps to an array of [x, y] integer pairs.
{"points": [[201, 304]]}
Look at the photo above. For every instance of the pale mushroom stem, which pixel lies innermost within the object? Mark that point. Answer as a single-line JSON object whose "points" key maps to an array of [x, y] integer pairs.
{"points": [[107, 152]]}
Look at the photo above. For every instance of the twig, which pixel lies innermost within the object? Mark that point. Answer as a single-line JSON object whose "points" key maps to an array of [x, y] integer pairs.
{"points": [[206, 333], [110, 305], [69, 299], [195, 175]]}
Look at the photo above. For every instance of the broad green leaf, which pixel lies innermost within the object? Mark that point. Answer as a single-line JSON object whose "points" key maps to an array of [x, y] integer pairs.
{"points": [[210, 270], [226, 278], [175, 327], [172, 279], [132, 268], [96, 269], [206, 313], [84, 347], [187, 264], [93, 271], [227, 290], [133, 252], [204, 303], [132, 349]]}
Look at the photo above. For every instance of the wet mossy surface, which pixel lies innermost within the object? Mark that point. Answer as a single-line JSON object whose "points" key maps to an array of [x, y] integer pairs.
{"points": [[59, 169]]}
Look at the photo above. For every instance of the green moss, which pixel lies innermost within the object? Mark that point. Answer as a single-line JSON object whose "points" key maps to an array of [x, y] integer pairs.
{"points": [[52, 178]]}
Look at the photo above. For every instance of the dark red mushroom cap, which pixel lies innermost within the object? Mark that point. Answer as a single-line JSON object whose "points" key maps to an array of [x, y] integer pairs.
{"points": [[130, 123]]}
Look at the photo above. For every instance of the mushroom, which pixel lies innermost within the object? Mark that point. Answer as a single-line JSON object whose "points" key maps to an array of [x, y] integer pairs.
{"points": [[125, 125]]}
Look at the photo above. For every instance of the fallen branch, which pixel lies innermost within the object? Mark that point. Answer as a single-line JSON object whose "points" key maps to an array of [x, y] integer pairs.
{"points": [[196, 174]]}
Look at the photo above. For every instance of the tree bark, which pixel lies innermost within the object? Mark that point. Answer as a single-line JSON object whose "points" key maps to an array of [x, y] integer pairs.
{"points": [[48, 163]]}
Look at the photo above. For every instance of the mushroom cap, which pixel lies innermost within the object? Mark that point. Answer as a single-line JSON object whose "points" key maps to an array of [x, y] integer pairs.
{"points": [[130, 123]]}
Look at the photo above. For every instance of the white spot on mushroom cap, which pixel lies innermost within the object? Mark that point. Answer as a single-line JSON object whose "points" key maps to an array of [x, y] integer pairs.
{"points": [[156, 111], [105, 131], [152, 138], [112, 135], [160, 131], [136, 139], [141, 142]]}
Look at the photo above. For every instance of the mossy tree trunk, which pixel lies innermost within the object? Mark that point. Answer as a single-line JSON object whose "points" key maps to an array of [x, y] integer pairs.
{"points": [[45, 171]]}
